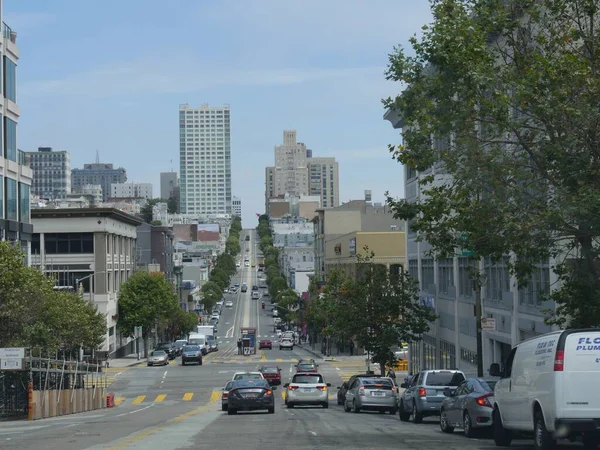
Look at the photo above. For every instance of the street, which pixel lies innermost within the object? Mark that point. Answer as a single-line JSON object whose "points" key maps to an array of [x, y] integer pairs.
{"points": [[176, 407]]}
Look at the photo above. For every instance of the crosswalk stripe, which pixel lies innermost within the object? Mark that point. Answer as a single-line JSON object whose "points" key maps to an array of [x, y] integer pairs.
{"points": [[159, 398], [119, 400], [279, 359], [139, 399], [188, 396], [215, 396]]}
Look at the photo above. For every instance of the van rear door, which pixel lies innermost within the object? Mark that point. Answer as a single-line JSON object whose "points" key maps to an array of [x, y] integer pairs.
{"points": [[581, 372]]}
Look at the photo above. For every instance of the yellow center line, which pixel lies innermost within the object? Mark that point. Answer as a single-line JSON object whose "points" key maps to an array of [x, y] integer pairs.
{"points": [[263, 357], [216, 395], [159, 398], [139, 399], [188, 396]]}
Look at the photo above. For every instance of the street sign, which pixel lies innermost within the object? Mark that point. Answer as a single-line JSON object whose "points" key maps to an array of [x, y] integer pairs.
{"points": [[14, 352], [465, 252], [488, 324], [11, 364]]}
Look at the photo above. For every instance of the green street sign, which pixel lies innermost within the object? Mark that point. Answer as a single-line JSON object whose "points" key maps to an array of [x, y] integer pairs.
{"points": [[465, 252]]}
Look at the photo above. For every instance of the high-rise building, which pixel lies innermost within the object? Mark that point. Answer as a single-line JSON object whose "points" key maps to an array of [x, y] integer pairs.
{"points": [[168, 181], [291, 166], [269, 186], [236, 206], [205, 160], [15, 174], [98, 173], [131, 190], [324, 181], [51, 173]]}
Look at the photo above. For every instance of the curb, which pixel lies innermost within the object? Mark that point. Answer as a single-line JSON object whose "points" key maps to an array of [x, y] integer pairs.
{"points": [[312, 352]]}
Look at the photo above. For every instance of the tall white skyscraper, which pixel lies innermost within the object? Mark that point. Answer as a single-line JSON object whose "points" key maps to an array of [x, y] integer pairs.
{"points": [[205, 160]]}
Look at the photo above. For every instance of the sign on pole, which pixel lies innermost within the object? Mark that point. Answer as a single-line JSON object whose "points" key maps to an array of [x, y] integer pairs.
{"points": [[12, 353], [488, 324], [11, 364]]}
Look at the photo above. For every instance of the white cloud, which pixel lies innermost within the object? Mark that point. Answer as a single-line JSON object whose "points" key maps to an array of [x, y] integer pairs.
{"points": [[152, 77]]}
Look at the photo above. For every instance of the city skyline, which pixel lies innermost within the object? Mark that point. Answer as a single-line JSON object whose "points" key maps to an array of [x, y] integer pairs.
{"points": [[116, 96]]}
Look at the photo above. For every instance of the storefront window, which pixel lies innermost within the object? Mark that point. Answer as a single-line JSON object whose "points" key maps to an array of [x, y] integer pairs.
{"points": [[447, 355], [415, 357], [429, 352]]}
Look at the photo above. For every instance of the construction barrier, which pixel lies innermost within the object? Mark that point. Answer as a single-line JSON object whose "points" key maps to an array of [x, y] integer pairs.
{"points": [[110, 400], [400, 366]]}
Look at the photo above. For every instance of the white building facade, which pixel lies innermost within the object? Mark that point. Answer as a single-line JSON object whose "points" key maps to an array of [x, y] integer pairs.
{"points": [[94, 248], [291, 166], [205, 160], [236, 206], [51, 173], [131, 190], [324, 181]]}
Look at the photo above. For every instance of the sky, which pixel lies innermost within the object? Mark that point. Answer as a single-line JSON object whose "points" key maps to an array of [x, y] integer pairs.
{"points": [[109, 76]]}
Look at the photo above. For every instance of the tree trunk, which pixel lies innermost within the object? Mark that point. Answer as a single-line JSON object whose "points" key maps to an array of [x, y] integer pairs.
{"points": [[145, 339]]}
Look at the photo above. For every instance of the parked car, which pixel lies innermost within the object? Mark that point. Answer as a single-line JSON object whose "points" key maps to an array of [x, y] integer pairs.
{"points": [[169, 348], [548, 388], [424, 396], [307, 389], [271, 373], [265, 343], [250, 395], [470, 407], [178, 345], [158, 358], [373, 394], [191, 353], [341, 393]]}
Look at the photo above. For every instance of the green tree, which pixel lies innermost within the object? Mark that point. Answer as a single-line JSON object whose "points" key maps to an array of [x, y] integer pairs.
{"points": [[181, 323], [220, 277], [232, 244], [276, 285], [265, 242], [288, 302], [144, 300], [381, 310], [211, 294], [236, 225], [146, 210], [226, 262], [172, 205], [503, 96]]}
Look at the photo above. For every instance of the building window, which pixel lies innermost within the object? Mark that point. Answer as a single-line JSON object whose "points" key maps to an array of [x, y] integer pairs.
{"points": [[429, 352], [498, 279], [71, 279], [62, 243], [538, 287], [413, 268], [24, 205], [427, 275], [1, 197], [10, 79], [12, 199], [445, 274], [465, 283], [10, 140], [447, 355], [35, 244]]}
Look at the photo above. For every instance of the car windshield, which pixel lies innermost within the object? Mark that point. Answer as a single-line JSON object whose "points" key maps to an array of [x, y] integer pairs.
{"points": [[269, 370], [306, 366], [376, 383], [444, 379], [488, 385], [250, 383], [307, 379], [210, 338], [247, 376], [229, 385], [191, 348], [180, 343], [158, 353]]}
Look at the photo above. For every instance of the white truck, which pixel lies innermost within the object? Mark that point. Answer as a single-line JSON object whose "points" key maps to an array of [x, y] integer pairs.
{"points": [[207, 330], [199, 339]]}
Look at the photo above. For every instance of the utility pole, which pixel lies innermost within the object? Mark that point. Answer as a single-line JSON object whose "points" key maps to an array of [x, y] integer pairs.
{"points": [[479, 280]]}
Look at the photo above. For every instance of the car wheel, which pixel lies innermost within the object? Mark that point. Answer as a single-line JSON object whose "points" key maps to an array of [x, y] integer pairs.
{"points": [[183, 363], [272, 410], [149, 365], [417, 416], [591, 441], [200, 363], [279, 348], [223, 407], [444, 426], [346, 407], [543, 440], [468, 425], [404, 416], [231, 412], [502, 436], [355, 409]]}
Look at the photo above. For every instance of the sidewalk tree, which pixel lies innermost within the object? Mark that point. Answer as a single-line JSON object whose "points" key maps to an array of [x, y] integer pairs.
{"points": [[226, 262], [288, 301], [220, 277], [513, 112], [144, 300], [232, 244], [211, 294], [276, 285], [181, 323]]}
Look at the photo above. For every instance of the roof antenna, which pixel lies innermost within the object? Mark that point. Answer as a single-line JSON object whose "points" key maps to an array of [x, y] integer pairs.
{"points": [[97, 157]]}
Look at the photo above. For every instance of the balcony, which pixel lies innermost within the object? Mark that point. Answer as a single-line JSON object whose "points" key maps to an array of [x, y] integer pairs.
{"points": [[8, 33]]}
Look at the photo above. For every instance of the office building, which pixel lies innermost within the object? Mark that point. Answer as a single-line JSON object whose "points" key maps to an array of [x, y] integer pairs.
{"points": [[205, 160], [445, 284], [15, 174], [168, 182], [291, 166], [131, 190], [324, 181], [236, 206], [51, 173], [99, 173], [269, 186]]}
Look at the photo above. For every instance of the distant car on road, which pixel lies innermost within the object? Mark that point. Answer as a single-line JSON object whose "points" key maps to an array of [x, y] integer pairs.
{"points": [[158, 358], [286, 343], [271, 373], [228, 304], [191, 353], [265, 343]]}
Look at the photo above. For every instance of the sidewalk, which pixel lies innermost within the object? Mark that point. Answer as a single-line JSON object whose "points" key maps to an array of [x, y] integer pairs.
{"points": [[127, 361], [332, 358]]}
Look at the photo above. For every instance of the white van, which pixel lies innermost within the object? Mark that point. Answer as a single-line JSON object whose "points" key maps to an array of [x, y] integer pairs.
{"points": [[199, 339], [549, 388]]}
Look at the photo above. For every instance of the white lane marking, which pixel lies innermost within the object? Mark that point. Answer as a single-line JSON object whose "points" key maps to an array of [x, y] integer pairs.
{"points": [[165, 374], [337, 368], [313, 433], [135, 411]]}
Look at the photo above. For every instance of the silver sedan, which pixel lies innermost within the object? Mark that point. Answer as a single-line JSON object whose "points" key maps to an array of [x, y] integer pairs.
{"points": [[470, 407], [374, 394]]}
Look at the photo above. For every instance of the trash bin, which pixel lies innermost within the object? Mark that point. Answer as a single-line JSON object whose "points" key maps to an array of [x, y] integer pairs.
{"points": [[110, 400]]}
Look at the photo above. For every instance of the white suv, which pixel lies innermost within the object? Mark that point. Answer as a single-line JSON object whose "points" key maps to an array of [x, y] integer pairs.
{"points": [[286, 343], [549, 388]]}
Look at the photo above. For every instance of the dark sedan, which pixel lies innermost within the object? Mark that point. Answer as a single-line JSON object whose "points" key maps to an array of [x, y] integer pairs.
{"points": [[250, 395], [191, 353]]}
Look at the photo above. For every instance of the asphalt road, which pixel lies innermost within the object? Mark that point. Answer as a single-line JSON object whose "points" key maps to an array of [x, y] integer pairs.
{"points": [[175, 407]]}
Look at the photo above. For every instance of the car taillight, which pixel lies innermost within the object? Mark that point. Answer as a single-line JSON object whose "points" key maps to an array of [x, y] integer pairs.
{"points": [[422, 392], [269, 392], [292, 388], [559, 361], [361, 391], [484, 400], [225, 394], [322, 388]]}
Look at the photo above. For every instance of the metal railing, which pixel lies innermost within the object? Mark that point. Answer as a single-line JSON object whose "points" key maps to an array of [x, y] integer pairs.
{"points": [[8, 33], [23, 158]]}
